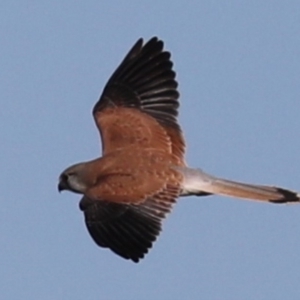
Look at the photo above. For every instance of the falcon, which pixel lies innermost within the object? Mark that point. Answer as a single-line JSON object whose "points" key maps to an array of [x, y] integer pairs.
{"points": [[142, 172]]}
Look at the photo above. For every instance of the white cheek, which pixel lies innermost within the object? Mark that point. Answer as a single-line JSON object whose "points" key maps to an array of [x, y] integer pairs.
{"points": [[76, 185]]}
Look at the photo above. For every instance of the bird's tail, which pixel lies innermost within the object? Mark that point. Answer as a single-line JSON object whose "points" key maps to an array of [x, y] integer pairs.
{"points": [[196, 182]]}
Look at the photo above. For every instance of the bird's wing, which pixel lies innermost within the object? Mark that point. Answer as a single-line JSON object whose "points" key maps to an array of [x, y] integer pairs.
{"points": [[139, 104], [128, 229]]}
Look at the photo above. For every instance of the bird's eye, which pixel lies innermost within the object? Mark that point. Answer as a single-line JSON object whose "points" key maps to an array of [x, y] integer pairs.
{"points": [[64, 177]]}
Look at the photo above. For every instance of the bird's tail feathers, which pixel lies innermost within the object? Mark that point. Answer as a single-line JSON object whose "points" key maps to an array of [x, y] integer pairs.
{"points": [[197, 182]]}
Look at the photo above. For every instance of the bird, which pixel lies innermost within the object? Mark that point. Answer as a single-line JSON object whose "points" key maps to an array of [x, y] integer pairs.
{"points": [[130, 189]]}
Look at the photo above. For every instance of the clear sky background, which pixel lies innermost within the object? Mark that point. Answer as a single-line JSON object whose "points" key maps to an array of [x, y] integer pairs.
{"points": [[238, 70]]}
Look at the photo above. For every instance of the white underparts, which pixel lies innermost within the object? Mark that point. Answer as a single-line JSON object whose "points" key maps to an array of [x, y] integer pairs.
{"points": [[195, 181]]}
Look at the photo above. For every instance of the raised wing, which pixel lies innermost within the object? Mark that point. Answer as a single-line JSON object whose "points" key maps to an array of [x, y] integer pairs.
{"points": [[139, 104], [129, 230]]}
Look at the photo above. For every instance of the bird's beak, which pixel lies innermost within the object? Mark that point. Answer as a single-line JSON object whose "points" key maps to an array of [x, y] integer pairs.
{"points": [[61, 186]]}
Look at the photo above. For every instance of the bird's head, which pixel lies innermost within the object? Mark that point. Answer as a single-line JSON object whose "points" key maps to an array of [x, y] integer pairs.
{"points": [[73, 179]]}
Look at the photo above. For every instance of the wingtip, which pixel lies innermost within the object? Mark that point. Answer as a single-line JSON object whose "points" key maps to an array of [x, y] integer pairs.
{"points": [[153, 40]]}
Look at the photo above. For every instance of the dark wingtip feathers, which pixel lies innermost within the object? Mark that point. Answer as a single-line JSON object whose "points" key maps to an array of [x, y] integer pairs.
{"points": [[145, 79], [126, 230]]}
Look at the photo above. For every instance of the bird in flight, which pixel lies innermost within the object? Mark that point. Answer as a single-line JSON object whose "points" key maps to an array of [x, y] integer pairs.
{"points": [[129, 190]]}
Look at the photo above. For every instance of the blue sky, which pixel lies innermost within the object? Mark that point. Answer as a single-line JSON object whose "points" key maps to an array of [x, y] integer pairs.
{"points": [[238, 71]]}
